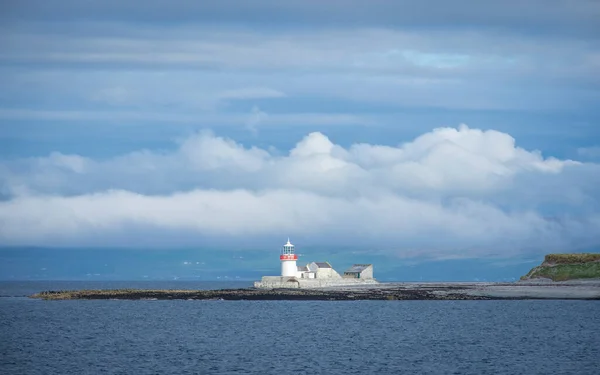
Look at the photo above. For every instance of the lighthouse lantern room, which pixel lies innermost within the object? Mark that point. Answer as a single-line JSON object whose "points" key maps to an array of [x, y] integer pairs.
{"points": [[288, 260]]}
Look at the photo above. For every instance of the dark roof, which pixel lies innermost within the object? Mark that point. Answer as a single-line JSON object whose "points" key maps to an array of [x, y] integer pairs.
{"points": [[323, 265], [357, 268], [303, 268]]}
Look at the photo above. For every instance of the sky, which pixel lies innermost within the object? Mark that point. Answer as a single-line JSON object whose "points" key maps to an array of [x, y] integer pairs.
{"points": [[416, 129]]}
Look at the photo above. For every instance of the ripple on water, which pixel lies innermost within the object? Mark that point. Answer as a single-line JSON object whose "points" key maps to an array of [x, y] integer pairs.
{"points": [[275, 337]]}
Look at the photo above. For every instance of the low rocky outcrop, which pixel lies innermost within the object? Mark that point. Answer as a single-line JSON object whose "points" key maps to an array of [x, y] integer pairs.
{"points": [[383, 291], [255, 294], [563, 267]]}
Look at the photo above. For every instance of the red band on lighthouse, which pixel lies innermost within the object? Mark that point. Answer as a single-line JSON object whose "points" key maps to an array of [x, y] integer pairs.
{"points": [[288, 257]]}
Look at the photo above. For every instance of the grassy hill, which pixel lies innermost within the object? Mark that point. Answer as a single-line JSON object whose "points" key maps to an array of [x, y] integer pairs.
{"points": [[562, 267]]}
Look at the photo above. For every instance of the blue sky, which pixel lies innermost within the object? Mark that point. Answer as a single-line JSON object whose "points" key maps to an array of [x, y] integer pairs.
{"points": [[432, 129]]}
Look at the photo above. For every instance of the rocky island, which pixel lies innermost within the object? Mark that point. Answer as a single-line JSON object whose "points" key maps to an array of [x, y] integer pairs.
{"points": [[584, 290], [560, 276], [332, 294]]}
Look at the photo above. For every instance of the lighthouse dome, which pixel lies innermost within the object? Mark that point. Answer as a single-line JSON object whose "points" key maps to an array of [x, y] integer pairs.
{"points": [[288, 248]]}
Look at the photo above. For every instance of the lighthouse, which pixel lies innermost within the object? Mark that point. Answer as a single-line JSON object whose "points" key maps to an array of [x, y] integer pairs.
{"points": [[288, 260]]}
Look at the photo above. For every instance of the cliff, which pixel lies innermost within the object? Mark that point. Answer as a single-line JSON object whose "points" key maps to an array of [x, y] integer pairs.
{"points": [[562, 267]]}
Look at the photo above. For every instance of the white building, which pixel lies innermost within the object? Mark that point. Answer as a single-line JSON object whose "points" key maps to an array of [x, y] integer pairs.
{"points": [[288, 260], [323, 270], [314, 274], [305, 273], [359, 271]]}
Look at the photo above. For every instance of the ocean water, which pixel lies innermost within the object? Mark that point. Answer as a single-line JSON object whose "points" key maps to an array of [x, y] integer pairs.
{"points": [[292, 337]]}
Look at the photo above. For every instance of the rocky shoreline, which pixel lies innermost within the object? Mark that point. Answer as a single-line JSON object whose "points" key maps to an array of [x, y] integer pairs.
{"points": [[390, 291]]}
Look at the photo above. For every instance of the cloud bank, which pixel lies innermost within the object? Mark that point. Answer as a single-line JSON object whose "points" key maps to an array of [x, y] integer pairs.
{"points": [[530, 69], [449, 192]]}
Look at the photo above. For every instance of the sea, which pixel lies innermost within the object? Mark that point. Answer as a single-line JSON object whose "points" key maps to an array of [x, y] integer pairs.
{"points": [[290, 337]]}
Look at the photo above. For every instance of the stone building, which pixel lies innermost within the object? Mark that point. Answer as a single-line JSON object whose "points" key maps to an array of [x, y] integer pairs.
{"points": [[314, 274], [305, 273], [323, 270], [359, 271]]}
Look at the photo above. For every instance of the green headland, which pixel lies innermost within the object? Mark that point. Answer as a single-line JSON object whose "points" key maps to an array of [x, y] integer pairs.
{"points": [[563, 267]]}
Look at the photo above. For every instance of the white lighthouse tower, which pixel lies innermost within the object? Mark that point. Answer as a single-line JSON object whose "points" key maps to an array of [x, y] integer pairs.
{"points": [[288, 260]]}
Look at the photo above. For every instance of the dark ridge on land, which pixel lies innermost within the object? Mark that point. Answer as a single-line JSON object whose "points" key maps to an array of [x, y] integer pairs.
{"points": [[250, 294], [392, 291], [563, 267]]}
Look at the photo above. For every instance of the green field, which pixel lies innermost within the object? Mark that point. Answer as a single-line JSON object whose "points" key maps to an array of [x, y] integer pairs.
{"points": [[571, 258], [562, 267]]}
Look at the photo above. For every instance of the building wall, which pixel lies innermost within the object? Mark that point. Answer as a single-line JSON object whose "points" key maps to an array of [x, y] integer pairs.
{"points": [[323, 273], [367, 273], [327, 273], [277, 282], [305, 275], [288, 268]]}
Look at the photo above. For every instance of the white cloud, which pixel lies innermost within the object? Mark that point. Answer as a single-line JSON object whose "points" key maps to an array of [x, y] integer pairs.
{"points": [[152, 117], [207, 152], [250, 93], [256, 117], [589, 152], [375, 49], [201, 67], [450, 192], [74, 163]]}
